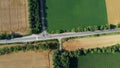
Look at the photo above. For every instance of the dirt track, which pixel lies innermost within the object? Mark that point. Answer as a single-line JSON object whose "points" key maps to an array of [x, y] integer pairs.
{"points": [[113, 10], [26, 60], [91, 42], [14, 16]]}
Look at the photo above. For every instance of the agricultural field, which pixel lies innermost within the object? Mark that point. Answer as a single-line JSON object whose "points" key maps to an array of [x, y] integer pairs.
{"points": [[99, 61], [113, 11], [14, 16], [30, 59], [68, 14], [91, 42]]}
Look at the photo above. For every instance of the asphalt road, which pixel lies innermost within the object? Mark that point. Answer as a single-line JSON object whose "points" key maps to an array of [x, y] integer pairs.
{"points": [[56, 36], [45, 36]]}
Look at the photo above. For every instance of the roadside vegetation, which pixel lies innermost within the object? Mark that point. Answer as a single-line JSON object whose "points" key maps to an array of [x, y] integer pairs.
{"points": [[9, 36], [34, 16], [88, 28], [70, 59], [30, 46]]}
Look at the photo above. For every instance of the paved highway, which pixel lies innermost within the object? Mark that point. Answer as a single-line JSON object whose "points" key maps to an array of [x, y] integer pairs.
{"points": [[56, 36]]}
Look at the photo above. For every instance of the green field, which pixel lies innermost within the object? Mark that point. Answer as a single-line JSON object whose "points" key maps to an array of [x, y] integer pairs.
{"points": [[68, 14], [99, 61]]}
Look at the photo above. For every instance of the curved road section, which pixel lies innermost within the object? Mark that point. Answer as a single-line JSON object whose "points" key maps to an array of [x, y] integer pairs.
{"points": [[56, 36]]}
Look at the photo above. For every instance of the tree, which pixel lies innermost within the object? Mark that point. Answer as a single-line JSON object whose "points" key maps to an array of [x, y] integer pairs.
{"points": [[112, 26], [118, 25], [73, 30], [65, 60]]}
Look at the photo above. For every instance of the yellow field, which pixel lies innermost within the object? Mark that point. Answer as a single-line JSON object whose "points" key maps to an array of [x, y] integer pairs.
{"points": [[113, 10], [29, 59], [14, 16], [91, 42]]}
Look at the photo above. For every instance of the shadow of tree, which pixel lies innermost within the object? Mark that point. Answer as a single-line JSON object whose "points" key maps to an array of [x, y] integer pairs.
{"points": [[73, 62], [45, 12]]}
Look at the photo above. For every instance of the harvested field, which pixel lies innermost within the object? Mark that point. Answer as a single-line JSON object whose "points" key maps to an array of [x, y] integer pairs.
{"points": [[91, 42], [26, 60], [14, 16], [113, 10]]}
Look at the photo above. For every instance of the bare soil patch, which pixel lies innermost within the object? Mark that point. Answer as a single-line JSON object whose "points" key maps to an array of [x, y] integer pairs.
{"points": [[113, 10], [14, 16], [29, 59], [91, 42]]}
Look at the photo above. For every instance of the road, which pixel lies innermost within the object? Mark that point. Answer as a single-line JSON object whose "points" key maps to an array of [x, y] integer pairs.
{"points": [[45, 36], [56, 36]]}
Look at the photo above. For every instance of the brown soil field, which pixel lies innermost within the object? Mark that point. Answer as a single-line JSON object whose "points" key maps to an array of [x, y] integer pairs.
{"points": [[14, 16], [91, 42], [113, 11], [28, 59]]}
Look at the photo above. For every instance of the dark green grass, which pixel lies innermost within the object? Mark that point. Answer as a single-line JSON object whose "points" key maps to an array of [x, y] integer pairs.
{"points": [[99, 61], [68, 14]]}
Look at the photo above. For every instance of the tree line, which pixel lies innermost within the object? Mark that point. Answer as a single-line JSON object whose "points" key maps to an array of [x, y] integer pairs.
{"points": [[88, 28], [63, 59], [34, 16], [9, 36], [28, 47]]}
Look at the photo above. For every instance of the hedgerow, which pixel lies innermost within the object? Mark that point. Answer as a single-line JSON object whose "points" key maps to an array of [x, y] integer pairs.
{"points": [[34, 16], [28, 47]]}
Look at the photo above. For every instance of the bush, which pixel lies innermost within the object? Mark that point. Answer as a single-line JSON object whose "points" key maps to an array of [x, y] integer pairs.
{"points": [[5, 36], [49, 46], [9, 36]]}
